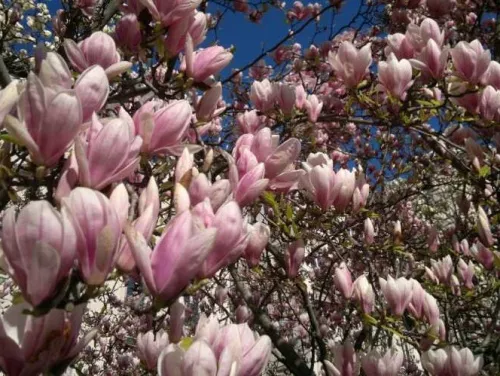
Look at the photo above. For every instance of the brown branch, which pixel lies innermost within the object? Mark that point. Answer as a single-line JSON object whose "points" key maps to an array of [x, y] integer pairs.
{"points": [[291, 359], [4, 74]]}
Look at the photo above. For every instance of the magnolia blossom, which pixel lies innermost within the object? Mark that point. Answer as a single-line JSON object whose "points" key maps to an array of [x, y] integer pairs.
{"points": [[345, 361], [452, 361], [163, 128], [263, 95], [107, 153], [351, 64], [293, 257], [201, 64], [397, 293], [98, 222], [388, 364], [278, 160], [145, 223], [38, 246], [395, 76], [230, 350], [35, 345], [149, 347], [432, 60], [47, 123], [328, 187], [470, 60], [161, 268], [98, 49]]}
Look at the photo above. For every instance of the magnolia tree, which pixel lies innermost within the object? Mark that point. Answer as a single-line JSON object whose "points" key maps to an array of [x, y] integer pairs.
{"points": [[329, 208]]}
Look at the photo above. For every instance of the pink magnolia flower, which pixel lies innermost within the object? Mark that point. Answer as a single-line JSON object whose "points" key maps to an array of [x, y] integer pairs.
{"points": [[278, 160], [38, 246], [313, 107], [419, 36], [251, 184], [320, 179], [483, 227], [260, 70], [195, 25], [263, 95], [258, 238], [237, 344], [167, 12], [207, 106], [98, 49], [346, 181], [466, 273], [388, 364], [343, 280], [149, 347], [395, 76], [351, 64], [242, 314], [470, 60], [128, 32], [417, 299], [8, 98], [451, 361], [285, 97], [231, 239], [165, 273], [199, 359], [430, 309], [300, 97], [362, 291], [92, 87], [489, 105], [294, 256], [207, 328], [361, 192], [176, 322], [492, 75], [483, 255], [202, 64], [432, 60], [433, 239], [345, 361], [86, 6], [145, 223], [200, 188], [98, 223], [369, 231], [47, 123], [36, 345], [107, 153], [400, 45], [163, 130], [397, 293], [249, 122]]}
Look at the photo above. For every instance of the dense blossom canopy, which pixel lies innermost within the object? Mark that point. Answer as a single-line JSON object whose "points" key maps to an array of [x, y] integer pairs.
{"points": [[330, 208]]}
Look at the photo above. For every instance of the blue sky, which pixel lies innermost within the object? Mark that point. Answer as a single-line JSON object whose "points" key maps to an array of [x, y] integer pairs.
{"points": [[250, 39]]}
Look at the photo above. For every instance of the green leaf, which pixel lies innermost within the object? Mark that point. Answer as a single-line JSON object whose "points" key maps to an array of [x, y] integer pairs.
{"points": [[370, 320], [484, 171], [289, 212], [9, 138]]}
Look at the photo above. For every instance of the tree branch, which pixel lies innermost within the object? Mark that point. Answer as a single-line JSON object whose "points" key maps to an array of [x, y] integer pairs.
{"points": [[292, 360], [4, 74]]}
